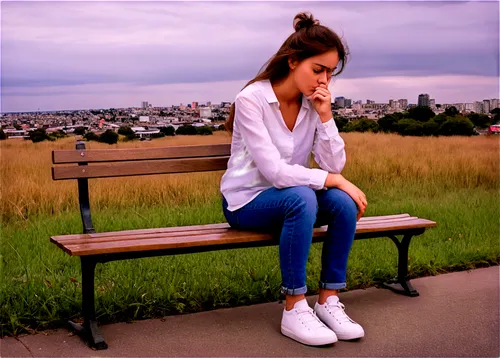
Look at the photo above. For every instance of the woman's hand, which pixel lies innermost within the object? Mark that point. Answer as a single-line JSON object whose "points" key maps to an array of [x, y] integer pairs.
{"points": [[322, 102], [338, 181]]}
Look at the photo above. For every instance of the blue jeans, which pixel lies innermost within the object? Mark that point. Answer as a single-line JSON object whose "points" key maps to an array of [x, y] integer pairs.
{"points": [[291, 214]]}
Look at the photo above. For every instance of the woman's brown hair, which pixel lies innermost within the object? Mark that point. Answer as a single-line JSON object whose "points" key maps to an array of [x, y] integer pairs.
{"points": [[309, 39]]}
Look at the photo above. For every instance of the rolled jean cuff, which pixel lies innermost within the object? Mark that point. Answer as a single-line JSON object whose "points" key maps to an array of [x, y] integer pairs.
{"points": [[293, 291], [332, 286]]}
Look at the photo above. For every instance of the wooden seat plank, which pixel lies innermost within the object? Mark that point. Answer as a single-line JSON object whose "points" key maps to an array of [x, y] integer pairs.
{"points": [[196, 228], [161, 241], [138, 236], [162, 244], [147, 231], [413, 224], [132, 235], [383, 218]]}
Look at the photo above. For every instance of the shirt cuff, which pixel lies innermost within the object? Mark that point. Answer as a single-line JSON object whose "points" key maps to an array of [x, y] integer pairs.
{"points": [[328, 129], [318, 179]]}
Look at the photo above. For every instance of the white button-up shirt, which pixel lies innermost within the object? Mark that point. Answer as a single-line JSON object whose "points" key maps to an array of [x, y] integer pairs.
{"points": [[265, 153]]}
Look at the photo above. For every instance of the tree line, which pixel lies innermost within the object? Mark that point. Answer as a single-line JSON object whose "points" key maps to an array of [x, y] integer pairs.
{"points": [[422, 121]]}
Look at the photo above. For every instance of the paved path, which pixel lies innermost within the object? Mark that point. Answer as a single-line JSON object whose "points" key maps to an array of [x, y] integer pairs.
{"points": [[456, 315]]}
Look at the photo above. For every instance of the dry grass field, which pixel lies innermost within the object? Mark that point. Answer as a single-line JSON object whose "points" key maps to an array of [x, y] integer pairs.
{"points": [[374, 161]]}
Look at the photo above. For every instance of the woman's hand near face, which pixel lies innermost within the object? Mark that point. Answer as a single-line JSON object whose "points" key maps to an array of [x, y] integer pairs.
{"points": [[322, 102]]}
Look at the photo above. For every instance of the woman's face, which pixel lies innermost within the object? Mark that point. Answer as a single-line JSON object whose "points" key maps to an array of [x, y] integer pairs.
{"points": [[314, 71]]}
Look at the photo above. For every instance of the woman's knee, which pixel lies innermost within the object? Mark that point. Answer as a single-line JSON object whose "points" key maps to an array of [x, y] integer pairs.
{"points": [[302, 199], [340, 202]]}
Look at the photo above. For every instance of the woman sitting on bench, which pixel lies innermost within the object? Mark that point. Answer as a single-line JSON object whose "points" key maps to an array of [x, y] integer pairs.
{"points": [[277, 120]]}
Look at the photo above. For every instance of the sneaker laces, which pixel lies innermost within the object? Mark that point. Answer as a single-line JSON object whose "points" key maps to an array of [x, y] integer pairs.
{"points": [[308, 316], [338, 310]]}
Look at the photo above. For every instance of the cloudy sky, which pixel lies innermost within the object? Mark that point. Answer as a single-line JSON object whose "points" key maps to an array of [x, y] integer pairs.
{"points": [[95, 54]]}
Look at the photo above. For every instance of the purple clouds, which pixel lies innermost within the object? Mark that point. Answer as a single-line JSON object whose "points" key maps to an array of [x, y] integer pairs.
{"points": [[76, 44]]}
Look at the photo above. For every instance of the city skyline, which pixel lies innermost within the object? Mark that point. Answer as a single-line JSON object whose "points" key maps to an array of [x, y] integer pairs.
{"points": [[199, 104], [66, 55]]}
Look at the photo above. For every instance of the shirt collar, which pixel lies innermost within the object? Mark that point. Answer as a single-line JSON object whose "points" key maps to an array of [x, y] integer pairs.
{"points": [[271, 96], [269, 92]]}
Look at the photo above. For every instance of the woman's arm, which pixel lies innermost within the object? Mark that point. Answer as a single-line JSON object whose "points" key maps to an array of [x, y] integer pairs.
{"points": [[249, 120], [328, 148]]}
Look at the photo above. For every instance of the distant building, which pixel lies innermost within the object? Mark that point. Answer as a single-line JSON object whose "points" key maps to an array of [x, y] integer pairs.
{"points": [[478, 107], [143, 118], [432, 103], [403, 103], [486, 106], [144, 105], [205, 112], [142, 132], [424, 100], [493, 103], [340, 102], [14, 133], [194, 105], [347, 102], [393, 104], [356, 106], [371, 115], [369, 101]]}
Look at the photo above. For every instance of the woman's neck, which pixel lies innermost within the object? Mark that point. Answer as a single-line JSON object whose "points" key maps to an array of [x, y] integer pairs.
{"points": [[287, 93]]}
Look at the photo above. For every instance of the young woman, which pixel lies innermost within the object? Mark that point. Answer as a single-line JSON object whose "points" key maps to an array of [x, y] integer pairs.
{"points": [[277, 120]]}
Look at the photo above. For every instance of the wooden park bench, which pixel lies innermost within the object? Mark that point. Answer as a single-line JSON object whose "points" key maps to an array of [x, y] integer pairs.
{"points": [[93, 248]]}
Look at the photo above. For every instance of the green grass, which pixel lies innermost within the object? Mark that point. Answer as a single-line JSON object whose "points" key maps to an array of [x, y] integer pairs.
{"points": [[40, 285]]}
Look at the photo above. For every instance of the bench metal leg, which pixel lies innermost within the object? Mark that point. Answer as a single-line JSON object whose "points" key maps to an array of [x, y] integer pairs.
{"points": [[89, 331], [401, 284]]}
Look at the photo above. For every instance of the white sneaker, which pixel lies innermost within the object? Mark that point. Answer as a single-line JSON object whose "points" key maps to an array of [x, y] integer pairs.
{"points": [[302, 325], [333, 315]]}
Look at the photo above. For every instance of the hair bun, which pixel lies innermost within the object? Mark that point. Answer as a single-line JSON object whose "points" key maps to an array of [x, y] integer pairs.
{"points": [[304, 20]]}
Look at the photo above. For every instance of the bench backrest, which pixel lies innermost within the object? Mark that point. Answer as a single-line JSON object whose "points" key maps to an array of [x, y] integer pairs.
{"points": [[106, 163], [138, 161]]}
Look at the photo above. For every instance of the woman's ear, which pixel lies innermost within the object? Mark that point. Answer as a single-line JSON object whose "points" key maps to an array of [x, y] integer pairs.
{"points": [[292, 63]]}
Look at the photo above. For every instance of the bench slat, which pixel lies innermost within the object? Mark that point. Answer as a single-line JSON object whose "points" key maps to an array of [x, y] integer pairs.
{"points": [[117, 155], [372, 222], [136, 234], [389, 226], [146, 231], [228, 236], [140, 168], [383, 218], [62, 238]]}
